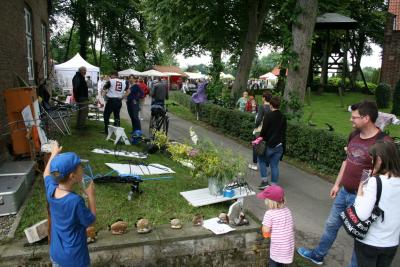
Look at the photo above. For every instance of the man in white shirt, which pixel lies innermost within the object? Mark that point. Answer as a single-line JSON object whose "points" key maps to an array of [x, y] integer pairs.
{"points": [[115, 90]]}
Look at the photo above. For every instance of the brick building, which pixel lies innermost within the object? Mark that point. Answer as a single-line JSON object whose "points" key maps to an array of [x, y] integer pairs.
{"points": [[390, 71], [23, 50]]}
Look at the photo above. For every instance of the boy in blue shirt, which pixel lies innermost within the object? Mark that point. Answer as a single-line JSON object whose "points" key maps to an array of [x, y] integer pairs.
{"points": [[69, 215]]}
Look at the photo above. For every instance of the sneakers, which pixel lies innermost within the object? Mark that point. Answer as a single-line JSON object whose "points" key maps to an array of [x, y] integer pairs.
{"points": [[309, 254], [253, 167], [263, 185]]}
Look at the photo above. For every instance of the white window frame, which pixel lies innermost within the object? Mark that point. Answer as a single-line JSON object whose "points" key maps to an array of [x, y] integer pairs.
{"points": [[43, 30], [29, 44]]}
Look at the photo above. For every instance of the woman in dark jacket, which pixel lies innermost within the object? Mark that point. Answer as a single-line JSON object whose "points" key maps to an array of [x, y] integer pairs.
{"points": [[273, 133]]}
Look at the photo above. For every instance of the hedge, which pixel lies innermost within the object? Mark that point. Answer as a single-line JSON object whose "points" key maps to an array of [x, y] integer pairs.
{"points": [[320, 148]]}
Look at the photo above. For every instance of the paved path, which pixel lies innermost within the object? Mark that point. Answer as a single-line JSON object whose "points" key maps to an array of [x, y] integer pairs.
{"points": [[307, 195]]}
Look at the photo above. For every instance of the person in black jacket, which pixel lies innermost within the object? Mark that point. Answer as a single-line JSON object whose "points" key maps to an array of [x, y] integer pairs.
{"points": [[80, 90], [273, 133]]}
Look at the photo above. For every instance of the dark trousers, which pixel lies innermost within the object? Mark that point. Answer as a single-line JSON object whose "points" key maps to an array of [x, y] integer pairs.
{"points": [[113, 105], [83, 111], [133, 110], [370, 256], [273, 263]]}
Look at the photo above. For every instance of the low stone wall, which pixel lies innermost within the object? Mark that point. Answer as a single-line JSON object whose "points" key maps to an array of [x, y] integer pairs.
{"points": [[190, 246]]}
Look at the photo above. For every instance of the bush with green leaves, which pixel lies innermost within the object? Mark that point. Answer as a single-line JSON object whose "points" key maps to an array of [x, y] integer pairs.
{"points": [[320, 148], [396, 100], [382, 95]]}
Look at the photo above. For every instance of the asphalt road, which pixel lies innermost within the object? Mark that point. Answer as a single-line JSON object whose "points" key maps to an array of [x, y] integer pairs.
{"points": [[307, 195]]}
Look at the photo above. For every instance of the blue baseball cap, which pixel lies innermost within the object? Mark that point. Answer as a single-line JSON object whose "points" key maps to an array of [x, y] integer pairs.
{"points": [[64, 164]]}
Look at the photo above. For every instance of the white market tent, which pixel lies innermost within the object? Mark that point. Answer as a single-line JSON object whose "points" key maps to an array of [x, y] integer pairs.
{"points": [[127, 72], [153, 73], [195, 75], [226, 76], [268, 76], [66, 71]]}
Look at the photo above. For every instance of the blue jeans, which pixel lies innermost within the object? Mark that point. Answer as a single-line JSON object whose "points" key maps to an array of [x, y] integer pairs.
{"points": [[133, 111], [271, 157], [343, 200]]}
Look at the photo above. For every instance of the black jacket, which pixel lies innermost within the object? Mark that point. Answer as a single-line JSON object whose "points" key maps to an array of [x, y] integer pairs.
{"points": [[80, 87], [273, 130]]}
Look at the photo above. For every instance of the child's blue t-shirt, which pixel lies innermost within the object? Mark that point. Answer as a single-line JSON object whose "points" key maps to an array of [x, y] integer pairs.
{"points": [[69, 219]]}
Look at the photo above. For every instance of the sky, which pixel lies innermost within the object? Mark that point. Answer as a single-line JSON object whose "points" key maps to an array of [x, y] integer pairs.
{"points": [[373, 60]]}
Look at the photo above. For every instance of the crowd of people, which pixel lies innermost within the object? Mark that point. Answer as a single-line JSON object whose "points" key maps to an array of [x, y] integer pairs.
{"points": [[368, 149], [111, 91]]}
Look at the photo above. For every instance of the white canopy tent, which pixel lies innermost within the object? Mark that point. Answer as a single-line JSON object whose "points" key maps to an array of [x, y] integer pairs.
{"points": [[153, 73], [196, 75], [66, 71], [171, 74], [269, 76], [127, 72], [226, 76]]}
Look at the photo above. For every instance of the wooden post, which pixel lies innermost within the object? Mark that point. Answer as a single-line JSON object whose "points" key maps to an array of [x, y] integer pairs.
{"points": [[341, 96]]}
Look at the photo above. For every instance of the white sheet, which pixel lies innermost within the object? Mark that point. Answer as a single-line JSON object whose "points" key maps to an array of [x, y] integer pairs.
{"points": [[217, 228], [121, 153], [150, 169]]}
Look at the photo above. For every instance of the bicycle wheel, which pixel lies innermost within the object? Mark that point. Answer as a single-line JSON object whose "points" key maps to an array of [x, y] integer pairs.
{"points": [[166, 124], [151, 127]]}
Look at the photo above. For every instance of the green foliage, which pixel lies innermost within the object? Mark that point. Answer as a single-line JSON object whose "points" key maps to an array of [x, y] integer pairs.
{"points": [[265, 64], [396, 100], [371, 74], [215, 89], [293, 108], [335, 82], [320, 148], [382, 95]]}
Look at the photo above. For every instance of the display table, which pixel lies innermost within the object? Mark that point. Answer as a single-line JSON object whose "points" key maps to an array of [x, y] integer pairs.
{"points": [[202, 197]]}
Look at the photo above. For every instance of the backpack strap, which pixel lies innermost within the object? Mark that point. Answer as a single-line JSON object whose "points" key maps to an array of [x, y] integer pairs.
{"points": [[379, 193], [352, 135], [380, 135]]}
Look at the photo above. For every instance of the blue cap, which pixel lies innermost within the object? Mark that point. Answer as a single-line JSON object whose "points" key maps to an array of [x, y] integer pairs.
{"points": [[64, 164]]}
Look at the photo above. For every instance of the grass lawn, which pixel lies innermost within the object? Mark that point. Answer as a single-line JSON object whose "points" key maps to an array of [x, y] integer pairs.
{"points": [[327, 109], [159, 202]]}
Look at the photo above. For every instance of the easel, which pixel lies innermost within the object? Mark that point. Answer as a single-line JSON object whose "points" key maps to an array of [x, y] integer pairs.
{"points": [[119, 133]]}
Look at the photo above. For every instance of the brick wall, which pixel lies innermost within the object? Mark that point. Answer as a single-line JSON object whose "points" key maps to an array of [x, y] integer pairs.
{"points": [[13, 51], [390, 72], [394, 8]]}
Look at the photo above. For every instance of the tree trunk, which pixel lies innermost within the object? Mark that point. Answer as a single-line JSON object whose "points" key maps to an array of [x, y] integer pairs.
{"points": [[325, 60], [256, 14], [83, 27], [302, 33], [69, 41], [103, 33], [358, 50], [216, 64]]}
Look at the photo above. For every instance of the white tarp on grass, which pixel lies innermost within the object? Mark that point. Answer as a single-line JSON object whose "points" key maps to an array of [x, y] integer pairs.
{"points": [[121, 153]]}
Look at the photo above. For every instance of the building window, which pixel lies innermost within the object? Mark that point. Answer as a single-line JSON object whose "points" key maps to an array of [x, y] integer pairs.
{"points": [[29, 43], [395, 23], [44, 49]]}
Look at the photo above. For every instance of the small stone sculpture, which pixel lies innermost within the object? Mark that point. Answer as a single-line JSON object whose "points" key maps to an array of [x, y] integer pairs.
{"points": [[143, 226], [198, 220], [119, 227], [241, 220], [176, 224], [223, 218]]}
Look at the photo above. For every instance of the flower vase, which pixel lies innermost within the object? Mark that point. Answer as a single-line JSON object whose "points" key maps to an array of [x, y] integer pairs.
{"points": [[215, 187]]}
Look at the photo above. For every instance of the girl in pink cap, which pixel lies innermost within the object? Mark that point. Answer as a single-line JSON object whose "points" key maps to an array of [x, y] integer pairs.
{"points": [[278, 225]]}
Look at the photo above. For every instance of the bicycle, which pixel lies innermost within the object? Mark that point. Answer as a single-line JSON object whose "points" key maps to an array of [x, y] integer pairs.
{"points": [[159, 120]]}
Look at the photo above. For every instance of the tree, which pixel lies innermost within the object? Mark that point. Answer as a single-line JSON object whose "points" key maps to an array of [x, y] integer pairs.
{"points": [[302, 32], [256, 12]]}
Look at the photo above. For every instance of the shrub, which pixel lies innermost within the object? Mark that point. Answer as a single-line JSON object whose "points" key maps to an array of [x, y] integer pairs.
{"points": [[320, 148], [396, 99], [382, 95]]}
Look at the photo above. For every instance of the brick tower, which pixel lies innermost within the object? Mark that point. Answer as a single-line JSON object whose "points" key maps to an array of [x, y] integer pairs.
{"points": [[390, 71]]}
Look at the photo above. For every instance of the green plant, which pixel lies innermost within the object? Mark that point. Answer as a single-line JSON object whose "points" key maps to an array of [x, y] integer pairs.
{"points": [[396, 99], [160, 139], [293, 109], [382, 95]]}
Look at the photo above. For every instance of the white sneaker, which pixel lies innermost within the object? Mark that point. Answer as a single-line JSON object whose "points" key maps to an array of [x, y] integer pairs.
{"points": [[253, 167]]}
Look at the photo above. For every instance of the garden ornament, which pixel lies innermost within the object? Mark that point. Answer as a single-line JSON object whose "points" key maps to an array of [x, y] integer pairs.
{"points": [[143, 226], [198, 220], [118, 228], [91, 234], [241, 220], [223, 218], [176, 224]]}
